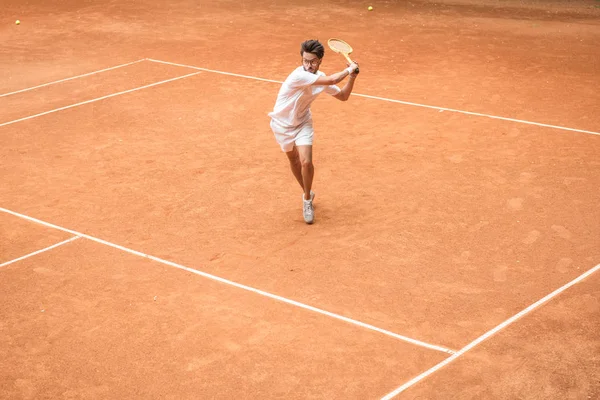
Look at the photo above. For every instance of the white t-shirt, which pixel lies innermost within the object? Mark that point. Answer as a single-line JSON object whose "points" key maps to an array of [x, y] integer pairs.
{"points": [[292, 107]]}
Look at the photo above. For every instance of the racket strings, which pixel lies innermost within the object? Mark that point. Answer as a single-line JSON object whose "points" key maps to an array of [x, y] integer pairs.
{"points": [[340, 46]]}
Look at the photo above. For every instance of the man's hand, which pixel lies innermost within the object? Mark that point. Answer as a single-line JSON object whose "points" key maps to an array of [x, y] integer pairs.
{"points": [[354, 67]]}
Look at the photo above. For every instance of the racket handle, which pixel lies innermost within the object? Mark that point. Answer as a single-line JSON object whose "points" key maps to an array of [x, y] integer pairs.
{"points": [[356, 71]]}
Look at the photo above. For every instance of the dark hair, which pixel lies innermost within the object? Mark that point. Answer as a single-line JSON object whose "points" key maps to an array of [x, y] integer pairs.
{"points": [[313, 47]]}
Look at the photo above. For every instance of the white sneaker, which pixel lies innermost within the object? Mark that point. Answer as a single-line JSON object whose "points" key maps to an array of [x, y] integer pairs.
{"points": [[307, 209], [312, 196]]}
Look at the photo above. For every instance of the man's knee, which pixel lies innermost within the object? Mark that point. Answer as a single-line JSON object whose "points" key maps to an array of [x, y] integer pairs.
{"points": [[306, 163]]}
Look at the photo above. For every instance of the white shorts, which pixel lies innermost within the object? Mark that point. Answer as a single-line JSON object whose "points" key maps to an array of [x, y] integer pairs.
{"points": [[288, 137]]}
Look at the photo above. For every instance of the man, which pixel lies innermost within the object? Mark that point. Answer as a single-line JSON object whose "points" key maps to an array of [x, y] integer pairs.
{"points": [[291, 119]]}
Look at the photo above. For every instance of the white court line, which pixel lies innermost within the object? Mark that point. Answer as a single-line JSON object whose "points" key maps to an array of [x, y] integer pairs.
{"points": [[73, 77], [40, 251], [99, 98], [214, 71], [394, 101], [488, 334], [238, 285], [521, 121]]}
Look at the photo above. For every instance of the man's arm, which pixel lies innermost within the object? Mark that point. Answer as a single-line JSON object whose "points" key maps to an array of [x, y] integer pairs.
{"points": [[335, 78], [347, 89]]}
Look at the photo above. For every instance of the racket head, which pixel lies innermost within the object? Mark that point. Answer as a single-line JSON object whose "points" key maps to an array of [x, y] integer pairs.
{"points": [[339, 46]]}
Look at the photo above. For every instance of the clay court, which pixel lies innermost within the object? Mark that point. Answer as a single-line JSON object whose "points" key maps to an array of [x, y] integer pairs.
{"points": [[152, 244]]}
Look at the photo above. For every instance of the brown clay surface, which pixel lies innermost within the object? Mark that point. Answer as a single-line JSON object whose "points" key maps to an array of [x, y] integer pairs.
{"points": [[75, 91], [553, 354], [434, 225], [18, 239], [88, 321]]}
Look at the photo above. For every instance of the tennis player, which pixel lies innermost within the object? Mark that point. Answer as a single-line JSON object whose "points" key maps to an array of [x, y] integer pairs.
{"points": [[291, 119]]}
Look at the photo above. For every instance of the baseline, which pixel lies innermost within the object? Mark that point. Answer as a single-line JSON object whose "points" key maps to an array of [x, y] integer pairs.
{"points": [[393, 100], [238, 285]]}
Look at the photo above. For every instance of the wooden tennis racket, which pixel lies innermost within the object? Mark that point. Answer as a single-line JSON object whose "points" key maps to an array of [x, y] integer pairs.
{"points": [[343, 48]]}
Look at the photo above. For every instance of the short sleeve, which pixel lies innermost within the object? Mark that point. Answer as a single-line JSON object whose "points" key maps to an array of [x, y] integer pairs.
{"points": [[332, 90], [300, 78]]}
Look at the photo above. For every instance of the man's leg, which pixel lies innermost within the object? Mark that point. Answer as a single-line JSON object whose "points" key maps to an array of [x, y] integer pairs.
{"points": [[295, 165], [307, 168]]}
